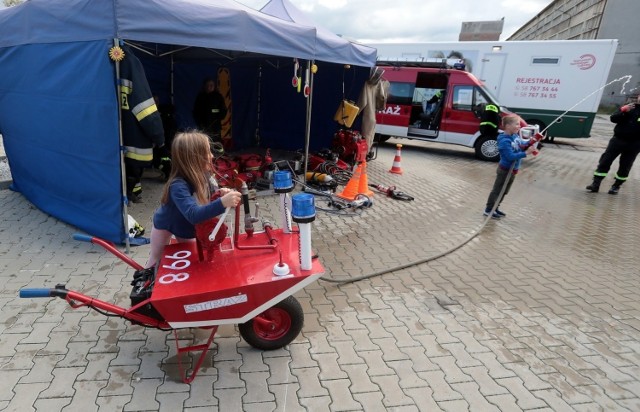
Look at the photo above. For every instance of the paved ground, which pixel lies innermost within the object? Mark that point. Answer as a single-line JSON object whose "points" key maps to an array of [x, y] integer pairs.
{"points": [[538, 312]]}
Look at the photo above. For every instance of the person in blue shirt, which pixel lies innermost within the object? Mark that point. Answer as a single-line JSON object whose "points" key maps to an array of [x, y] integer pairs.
{"points": [[185, 197], [512, 150]]}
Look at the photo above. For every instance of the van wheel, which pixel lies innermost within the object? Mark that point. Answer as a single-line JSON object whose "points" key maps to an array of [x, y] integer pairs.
{"points": [[380, 138], [487, 149]]}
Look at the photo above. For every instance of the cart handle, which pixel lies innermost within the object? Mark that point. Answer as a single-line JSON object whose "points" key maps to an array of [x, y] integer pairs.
{"points": [[60, 292], [82, 238], [110, 248]]}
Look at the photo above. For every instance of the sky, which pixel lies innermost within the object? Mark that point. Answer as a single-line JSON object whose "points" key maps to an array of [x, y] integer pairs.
{"points": [[409, 21]]}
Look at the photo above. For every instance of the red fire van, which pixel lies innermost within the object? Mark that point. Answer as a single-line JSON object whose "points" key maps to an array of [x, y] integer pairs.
{"points": [[413, 112]]}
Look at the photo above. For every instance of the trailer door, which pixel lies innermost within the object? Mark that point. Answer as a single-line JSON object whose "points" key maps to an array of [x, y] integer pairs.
{"points": [[492, 71]]}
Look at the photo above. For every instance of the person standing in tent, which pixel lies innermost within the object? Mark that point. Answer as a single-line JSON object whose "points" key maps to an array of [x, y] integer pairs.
{"points": [[372, 98], [208, 111], [141, 122]]}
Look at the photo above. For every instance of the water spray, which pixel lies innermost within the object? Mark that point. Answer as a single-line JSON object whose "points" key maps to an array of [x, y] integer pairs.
{"points": [[627, 79]]}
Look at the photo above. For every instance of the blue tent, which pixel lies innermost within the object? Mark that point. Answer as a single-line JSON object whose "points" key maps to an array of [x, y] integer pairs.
{"points": [[58, 94]]}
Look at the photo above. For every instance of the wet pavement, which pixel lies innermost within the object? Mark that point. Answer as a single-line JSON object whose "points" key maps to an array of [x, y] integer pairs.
{"points": [[539, 311]]}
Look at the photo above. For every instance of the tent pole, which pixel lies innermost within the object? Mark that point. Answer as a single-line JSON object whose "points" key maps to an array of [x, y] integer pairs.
{"points": [[171, 80], [123, 178], [308, 131]]}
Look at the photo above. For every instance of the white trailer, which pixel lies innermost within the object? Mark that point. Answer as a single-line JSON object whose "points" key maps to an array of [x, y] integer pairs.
{"points": [[553, 83]]}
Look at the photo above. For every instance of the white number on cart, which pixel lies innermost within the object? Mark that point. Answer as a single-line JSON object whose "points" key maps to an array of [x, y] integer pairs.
{"points": [[180, 262], [170, 278]]}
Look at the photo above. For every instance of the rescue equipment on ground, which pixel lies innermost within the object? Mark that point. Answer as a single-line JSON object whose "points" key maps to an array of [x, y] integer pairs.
{"points": [[135, 229], [392, 192], [350, 145]]}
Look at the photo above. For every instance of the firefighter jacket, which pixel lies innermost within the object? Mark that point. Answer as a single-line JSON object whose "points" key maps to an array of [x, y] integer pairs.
{"points": [[627, 123], [490, 120], [141, 121], [372, 99]]}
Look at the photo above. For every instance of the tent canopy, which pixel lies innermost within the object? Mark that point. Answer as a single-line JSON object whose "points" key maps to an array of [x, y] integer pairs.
{"points": [[58, 91], [328, 43], [216, 24]]}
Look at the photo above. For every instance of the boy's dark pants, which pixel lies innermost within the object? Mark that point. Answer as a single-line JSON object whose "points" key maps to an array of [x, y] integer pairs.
{"points": [[501, 176]]}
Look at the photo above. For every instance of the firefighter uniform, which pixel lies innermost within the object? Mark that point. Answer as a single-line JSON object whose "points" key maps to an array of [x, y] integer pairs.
{"points": [[141, 122], [624, 143], [490, 121]]}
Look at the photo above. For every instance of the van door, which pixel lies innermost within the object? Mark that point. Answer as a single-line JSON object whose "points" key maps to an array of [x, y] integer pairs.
{"points": [[428, 105], [394, 119], [461, 119]]}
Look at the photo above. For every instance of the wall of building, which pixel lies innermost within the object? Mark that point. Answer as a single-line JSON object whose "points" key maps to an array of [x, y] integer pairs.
{"points": [[620, 21]]}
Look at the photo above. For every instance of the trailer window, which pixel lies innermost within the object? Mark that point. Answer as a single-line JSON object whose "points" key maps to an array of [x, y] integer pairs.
{"points": [[400, 93]]}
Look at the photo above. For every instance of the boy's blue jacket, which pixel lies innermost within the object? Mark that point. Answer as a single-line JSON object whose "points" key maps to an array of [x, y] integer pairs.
{"points": [[510, 151]]}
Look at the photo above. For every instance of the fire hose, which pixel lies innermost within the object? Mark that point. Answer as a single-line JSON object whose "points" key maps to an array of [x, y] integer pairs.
{"points": [[533, 145]]}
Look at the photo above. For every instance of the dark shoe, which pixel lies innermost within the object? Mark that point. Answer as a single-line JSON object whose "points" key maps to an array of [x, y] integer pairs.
{"points": [[494, 215], [135, 198], [594, 187], [614, 190], [500, 213]]}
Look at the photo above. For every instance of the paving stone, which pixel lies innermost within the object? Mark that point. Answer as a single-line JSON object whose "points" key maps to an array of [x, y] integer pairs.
{"points": [[87, 400], [309, 381], [554, 330]]}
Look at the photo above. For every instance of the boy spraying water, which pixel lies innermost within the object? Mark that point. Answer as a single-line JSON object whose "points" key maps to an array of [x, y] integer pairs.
{"points": [[512, 150]]}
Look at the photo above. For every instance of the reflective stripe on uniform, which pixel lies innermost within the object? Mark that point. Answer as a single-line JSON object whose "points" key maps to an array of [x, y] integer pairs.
{"points": [[492, 108], [137, 153], [144, 109], [621, 178], [126, 85], [599, 174], [488, 124]]}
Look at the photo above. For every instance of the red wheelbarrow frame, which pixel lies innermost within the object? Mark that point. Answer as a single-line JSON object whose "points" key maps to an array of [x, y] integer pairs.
{"points": [[238, 287]]}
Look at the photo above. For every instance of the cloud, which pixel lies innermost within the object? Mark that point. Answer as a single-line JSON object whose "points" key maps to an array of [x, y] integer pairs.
{"points": [[412, 20]]}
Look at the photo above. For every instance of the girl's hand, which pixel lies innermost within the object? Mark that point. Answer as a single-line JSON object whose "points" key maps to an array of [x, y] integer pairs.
{"points": [[224, 191], [231, 198]]}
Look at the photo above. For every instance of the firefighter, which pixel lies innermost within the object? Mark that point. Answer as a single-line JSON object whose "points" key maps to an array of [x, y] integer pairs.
{"points": [[209, 109], [489, 121], [141, 123], [624, 143]]}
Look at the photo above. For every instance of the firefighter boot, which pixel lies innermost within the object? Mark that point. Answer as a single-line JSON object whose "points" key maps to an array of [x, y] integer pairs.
{"points": [[595, 185], [616, 186]]}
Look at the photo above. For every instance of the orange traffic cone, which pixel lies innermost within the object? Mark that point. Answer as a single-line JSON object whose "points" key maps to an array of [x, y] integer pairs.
{"points": [[351, 190], [363, 185], [396, 168]]}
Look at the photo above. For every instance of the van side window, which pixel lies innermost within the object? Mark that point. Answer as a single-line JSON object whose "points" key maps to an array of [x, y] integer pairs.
{"points": [[463, 97], [400, 93], [468, 98]]}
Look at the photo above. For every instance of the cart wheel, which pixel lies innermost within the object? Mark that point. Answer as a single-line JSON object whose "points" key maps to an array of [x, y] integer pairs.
{"points": [[276, 327]]}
